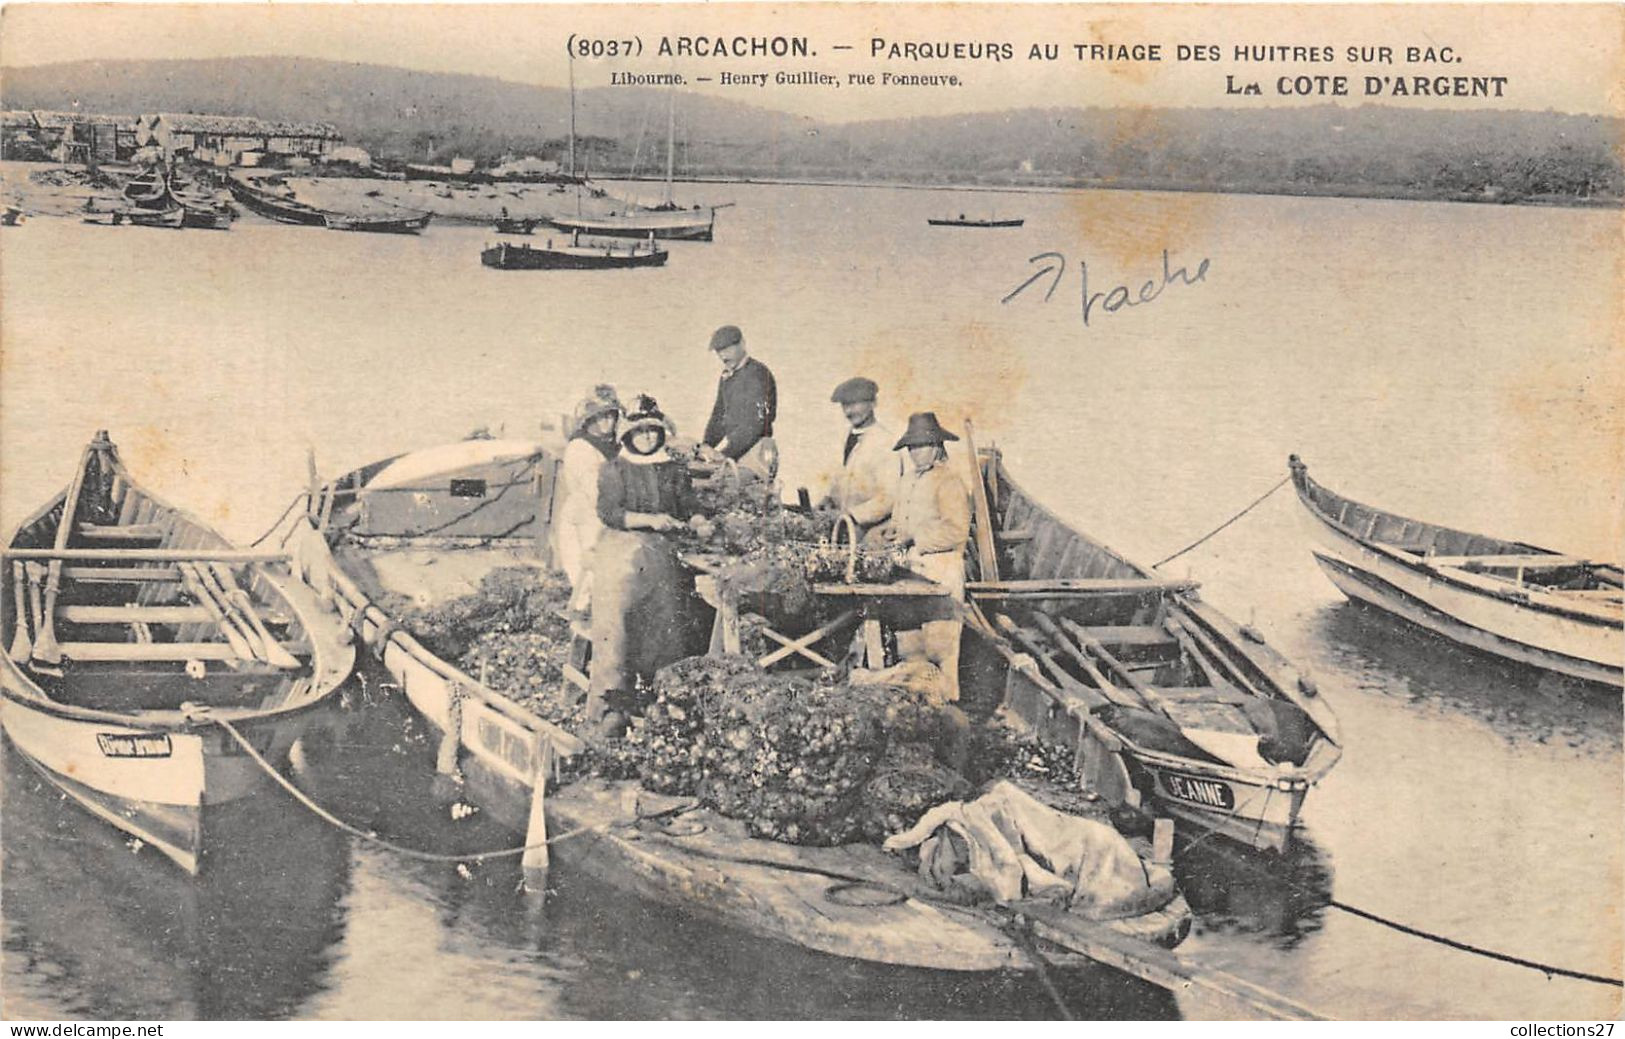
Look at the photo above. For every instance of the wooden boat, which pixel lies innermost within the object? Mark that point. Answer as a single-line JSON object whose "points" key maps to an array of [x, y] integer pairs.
{"points": [[173, 217], [1533, 605], [208, 216], [407, 221], [434, 522], [1172, 707], [132, 629], [282, 208], [506, 256], [514, 225], [288, 210], [11, 217], [964, 221], [688, 224]]}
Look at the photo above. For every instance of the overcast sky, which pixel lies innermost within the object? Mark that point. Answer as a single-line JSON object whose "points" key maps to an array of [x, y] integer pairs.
{"points": [[1568, 58]]}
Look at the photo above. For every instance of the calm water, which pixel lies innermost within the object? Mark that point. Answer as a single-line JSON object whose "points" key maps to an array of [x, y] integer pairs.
{"points": [[1451, 362]]}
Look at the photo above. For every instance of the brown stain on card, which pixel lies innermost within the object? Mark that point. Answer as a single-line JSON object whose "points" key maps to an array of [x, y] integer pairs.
{"points": [[974, 371]]}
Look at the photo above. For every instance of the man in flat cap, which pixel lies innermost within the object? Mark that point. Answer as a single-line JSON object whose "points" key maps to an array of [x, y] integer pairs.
{"points": [[741, 424], [866, 488]]}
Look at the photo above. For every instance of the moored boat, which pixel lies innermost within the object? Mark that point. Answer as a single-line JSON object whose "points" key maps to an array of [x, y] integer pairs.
{"points": [[431, 525], [133, 630], [173, 217], [1536, 606], [687, 224], [506, 256], [282, 208], [515, 225], [964, 221], [407, 221], [288, 210], [1172, 707]]}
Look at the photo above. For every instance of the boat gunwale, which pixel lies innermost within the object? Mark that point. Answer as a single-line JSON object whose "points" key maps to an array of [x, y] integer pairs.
{"points": [[1445, 574]]}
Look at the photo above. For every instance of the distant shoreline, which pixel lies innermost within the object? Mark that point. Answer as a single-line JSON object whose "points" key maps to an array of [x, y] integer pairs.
{"points": [[1360, 191]]}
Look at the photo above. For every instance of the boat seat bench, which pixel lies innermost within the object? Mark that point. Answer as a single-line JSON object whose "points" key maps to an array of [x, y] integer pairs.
{"points": [[166, 651]]}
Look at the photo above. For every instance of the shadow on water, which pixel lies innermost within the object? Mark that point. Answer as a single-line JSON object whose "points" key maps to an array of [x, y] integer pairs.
{"points": [[590, 950], [1278, 899], [100, 928], [1397, 660]]}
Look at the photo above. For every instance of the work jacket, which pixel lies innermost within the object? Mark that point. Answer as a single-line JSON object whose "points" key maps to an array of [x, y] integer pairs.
{"points": [[933, 510], [746, 405], [867, 484]]}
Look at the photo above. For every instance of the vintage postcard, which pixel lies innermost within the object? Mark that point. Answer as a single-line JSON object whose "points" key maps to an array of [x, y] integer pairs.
{"points": [[812, 511]]}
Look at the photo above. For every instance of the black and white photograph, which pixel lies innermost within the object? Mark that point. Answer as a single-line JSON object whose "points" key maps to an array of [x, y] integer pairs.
{"points": [[812, 512]]}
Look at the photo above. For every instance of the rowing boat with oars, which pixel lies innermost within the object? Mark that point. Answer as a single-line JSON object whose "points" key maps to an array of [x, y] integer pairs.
{"points": [[1559, 612], [1171, 706], [131, 628], [430, 525]]}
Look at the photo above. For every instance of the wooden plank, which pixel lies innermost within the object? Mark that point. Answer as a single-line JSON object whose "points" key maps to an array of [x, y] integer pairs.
{"points": [[130, 652], [987, 553], [1230, 995], [148, 555], [1131, 635], [130, 532], [1084, 584], [874, 644], [1526, 561], [132, 614], [1012, 536], [881, 591], [120, 574]]}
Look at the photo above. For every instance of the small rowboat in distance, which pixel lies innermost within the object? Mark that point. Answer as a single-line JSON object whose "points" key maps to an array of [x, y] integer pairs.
{"points": [[505, 256], [131, 629], [284, 208], [174, 217], [1532, 605], [964, 221], [514, 225]]}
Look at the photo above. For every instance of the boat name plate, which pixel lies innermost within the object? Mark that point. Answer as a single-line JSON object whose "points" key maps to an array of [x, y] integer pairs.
{"points": [[133, 745], [1208, 792]]}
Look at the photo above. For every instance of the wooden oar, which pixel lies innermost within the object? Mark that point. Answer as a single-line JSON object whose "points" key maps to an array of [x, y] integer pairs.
{"points": [[45, 646], [1121, 697], [1234, 748], [239, 598], [987, 552], [194, 584], [1094, 698], [21, 646], [218, 593]]}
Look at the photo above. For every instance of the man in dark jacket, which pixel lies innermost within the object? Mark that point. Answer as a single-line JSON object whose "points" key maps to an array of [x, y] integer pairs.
{"points": [[741, 424]]}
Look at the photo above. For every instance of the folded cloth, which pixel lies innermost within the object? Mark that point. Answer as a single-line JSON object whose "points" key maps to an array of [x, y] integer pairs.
{"points": [[1006, 845]]}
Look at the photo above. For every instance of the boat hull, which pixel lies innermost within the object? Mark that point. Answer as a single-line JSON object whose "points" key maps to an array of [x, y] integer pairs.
{"points": [[976, 223], [702, 861], [153, 784], [1481, 618], [643, 226], [505, 257]]}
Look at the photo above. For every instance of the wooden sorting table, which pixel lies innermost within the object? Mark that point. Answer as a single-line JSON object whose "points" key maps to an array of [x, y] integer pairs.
{"points": [[863, 604]]}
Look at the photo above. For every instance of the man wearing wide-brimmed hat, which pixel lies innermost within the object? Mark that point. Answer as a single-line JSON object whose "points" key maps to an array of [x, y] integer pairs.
{"points": [[575, 512], [741, 423], [932, 521], [866, 486]]}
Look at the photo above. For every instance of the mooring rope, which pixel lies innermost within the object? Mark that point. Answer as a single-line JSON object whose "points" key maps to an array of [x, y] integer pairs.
{"points": [[399, 849], [1256, 503], [1415, 932], [272, 528]]}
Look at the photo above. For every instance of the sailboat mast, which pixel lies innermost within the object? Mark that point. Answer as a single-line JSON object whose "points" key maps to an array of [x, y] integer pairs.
{"points": [[572, 116], [671, 125]]}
